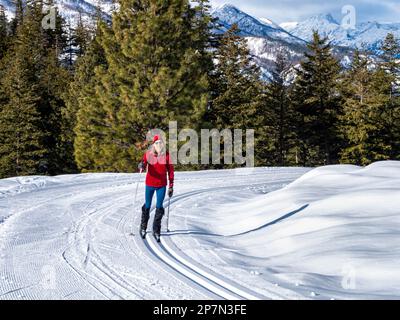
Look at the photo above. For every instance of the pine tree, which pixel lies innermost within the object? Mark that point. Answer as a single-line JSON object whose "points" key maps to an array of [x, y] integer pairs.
{"points": [[156, 72], [237, 91], [18, 17], [4, 46], [4, 34], [317, 100], [52, 77], [390, 55], [81, 104], [78, 40], [361, 123], [279, 104], [21, 137], [82, 37], [37, 50], [22, 147], [84, 47], [391, 114]]}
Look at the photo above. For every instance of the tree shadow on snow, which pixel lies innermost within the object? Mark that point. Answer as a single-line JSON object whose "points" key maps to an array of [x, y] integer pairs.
{"points": [[204, 233], [288, 215]]}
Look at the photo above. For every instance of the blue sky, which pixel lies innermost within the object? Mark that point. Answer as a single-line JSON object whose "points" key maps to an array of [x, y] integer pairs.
{"points": [[297, 10]]}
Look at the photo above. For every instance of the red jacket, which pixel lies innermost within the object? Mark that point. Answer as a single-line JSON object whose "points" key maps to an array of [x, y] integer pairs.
{"points": [[157, 168]]}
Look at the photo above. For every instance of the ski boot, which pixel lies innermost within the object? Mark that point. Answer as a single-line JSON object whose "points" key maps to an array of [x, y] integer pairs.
{"points": [[145, 220], [157, 224]]}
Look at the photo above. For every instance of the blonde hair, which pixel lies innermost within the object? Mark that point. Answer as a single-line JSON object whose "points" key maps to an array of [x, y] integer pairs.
{"points": [[162, 151]]}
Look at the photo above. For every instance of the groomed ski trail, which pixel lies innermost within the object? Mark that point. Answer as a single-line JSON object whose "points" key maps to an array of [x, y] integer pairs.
{"points": [[81, 228]]}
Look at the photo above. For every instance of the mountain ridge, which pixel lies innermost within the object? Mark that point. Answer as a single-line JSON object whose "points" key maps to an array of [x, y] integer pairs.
{"points": [[265, 37], [365, 35]]}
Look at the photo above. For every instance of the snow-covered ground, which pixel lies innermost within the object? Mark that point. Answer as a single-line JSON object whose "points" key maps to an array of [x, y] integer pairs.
{"points": [[267, 233]]}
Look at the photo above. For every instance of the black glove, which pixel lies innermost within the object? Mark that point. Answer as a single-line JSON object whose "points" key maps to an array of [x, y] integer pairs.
{"points": [[141, 166], [170, 192]]}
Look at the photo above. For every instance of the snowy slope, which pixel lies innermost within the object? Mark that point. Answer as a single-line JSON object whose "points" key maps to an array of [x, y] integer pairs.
{"points": [[265, 38], [71, 9], [235, 234], [366, 35], [289, 26], [228, 15], [270, 23], [325, 24], [333, 233]]}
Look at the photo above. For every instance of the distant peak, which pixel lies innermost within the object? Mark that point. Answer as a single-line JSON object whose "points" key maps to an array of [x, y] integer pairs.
{"points": [[324, 17], [226, 7], [330, 18], [269, 22], [289, 26]]}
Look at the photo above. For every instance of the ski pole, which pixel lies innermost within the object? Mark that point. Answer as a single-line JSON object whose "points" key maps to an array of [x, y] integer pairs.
{"points": [[134, 202], [169, 202]]}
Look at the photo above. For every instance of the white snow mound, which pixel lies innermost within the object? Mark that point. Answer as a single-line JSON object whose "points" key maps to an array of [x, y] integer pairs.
{"points": [[336, 230]]}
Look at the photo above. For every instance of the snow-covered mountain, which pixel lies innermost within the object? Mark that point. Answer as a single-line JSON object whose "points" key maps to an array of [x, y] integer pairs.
{"points": [[365, 35], [289, 26], [291, 35], [265, 38], [250, 26], [71, 9], [325, 24], [270, 22]]}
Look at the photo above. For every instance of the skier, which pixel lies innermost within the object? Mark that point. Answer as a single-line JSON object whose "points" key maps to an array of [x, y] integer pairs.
{"points": [[157, 162]]}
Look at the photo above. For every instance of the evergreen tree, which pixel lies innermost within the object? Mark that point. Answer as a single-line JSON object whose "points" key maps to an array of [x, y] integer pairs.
{"points": [[4, 46], [362, 124], [317, 100], [157, 65], [237, 91], [82, 37], [83, 137], [78, 40], [52, 78], [390, 57], [278, 102], [84, 46], [236, 83], [22, 147], [4, 34], [37, 50], [18, 17], [391, 114]]}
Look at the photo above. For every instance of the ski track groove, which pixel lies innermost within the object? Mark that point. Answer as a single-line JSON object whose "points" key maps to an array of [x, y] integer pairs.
{"points": [[84, 275], [151, 258], [115, 277], [270, 293], [86, 228], [212, 282], [103, 267], [9, 267]]}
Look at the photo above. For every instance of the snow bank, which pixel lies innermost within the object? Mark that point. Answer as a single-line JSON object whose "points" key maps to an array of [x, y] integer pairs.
{"points": [[16, 185], [13, 186], [336, 230]]}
